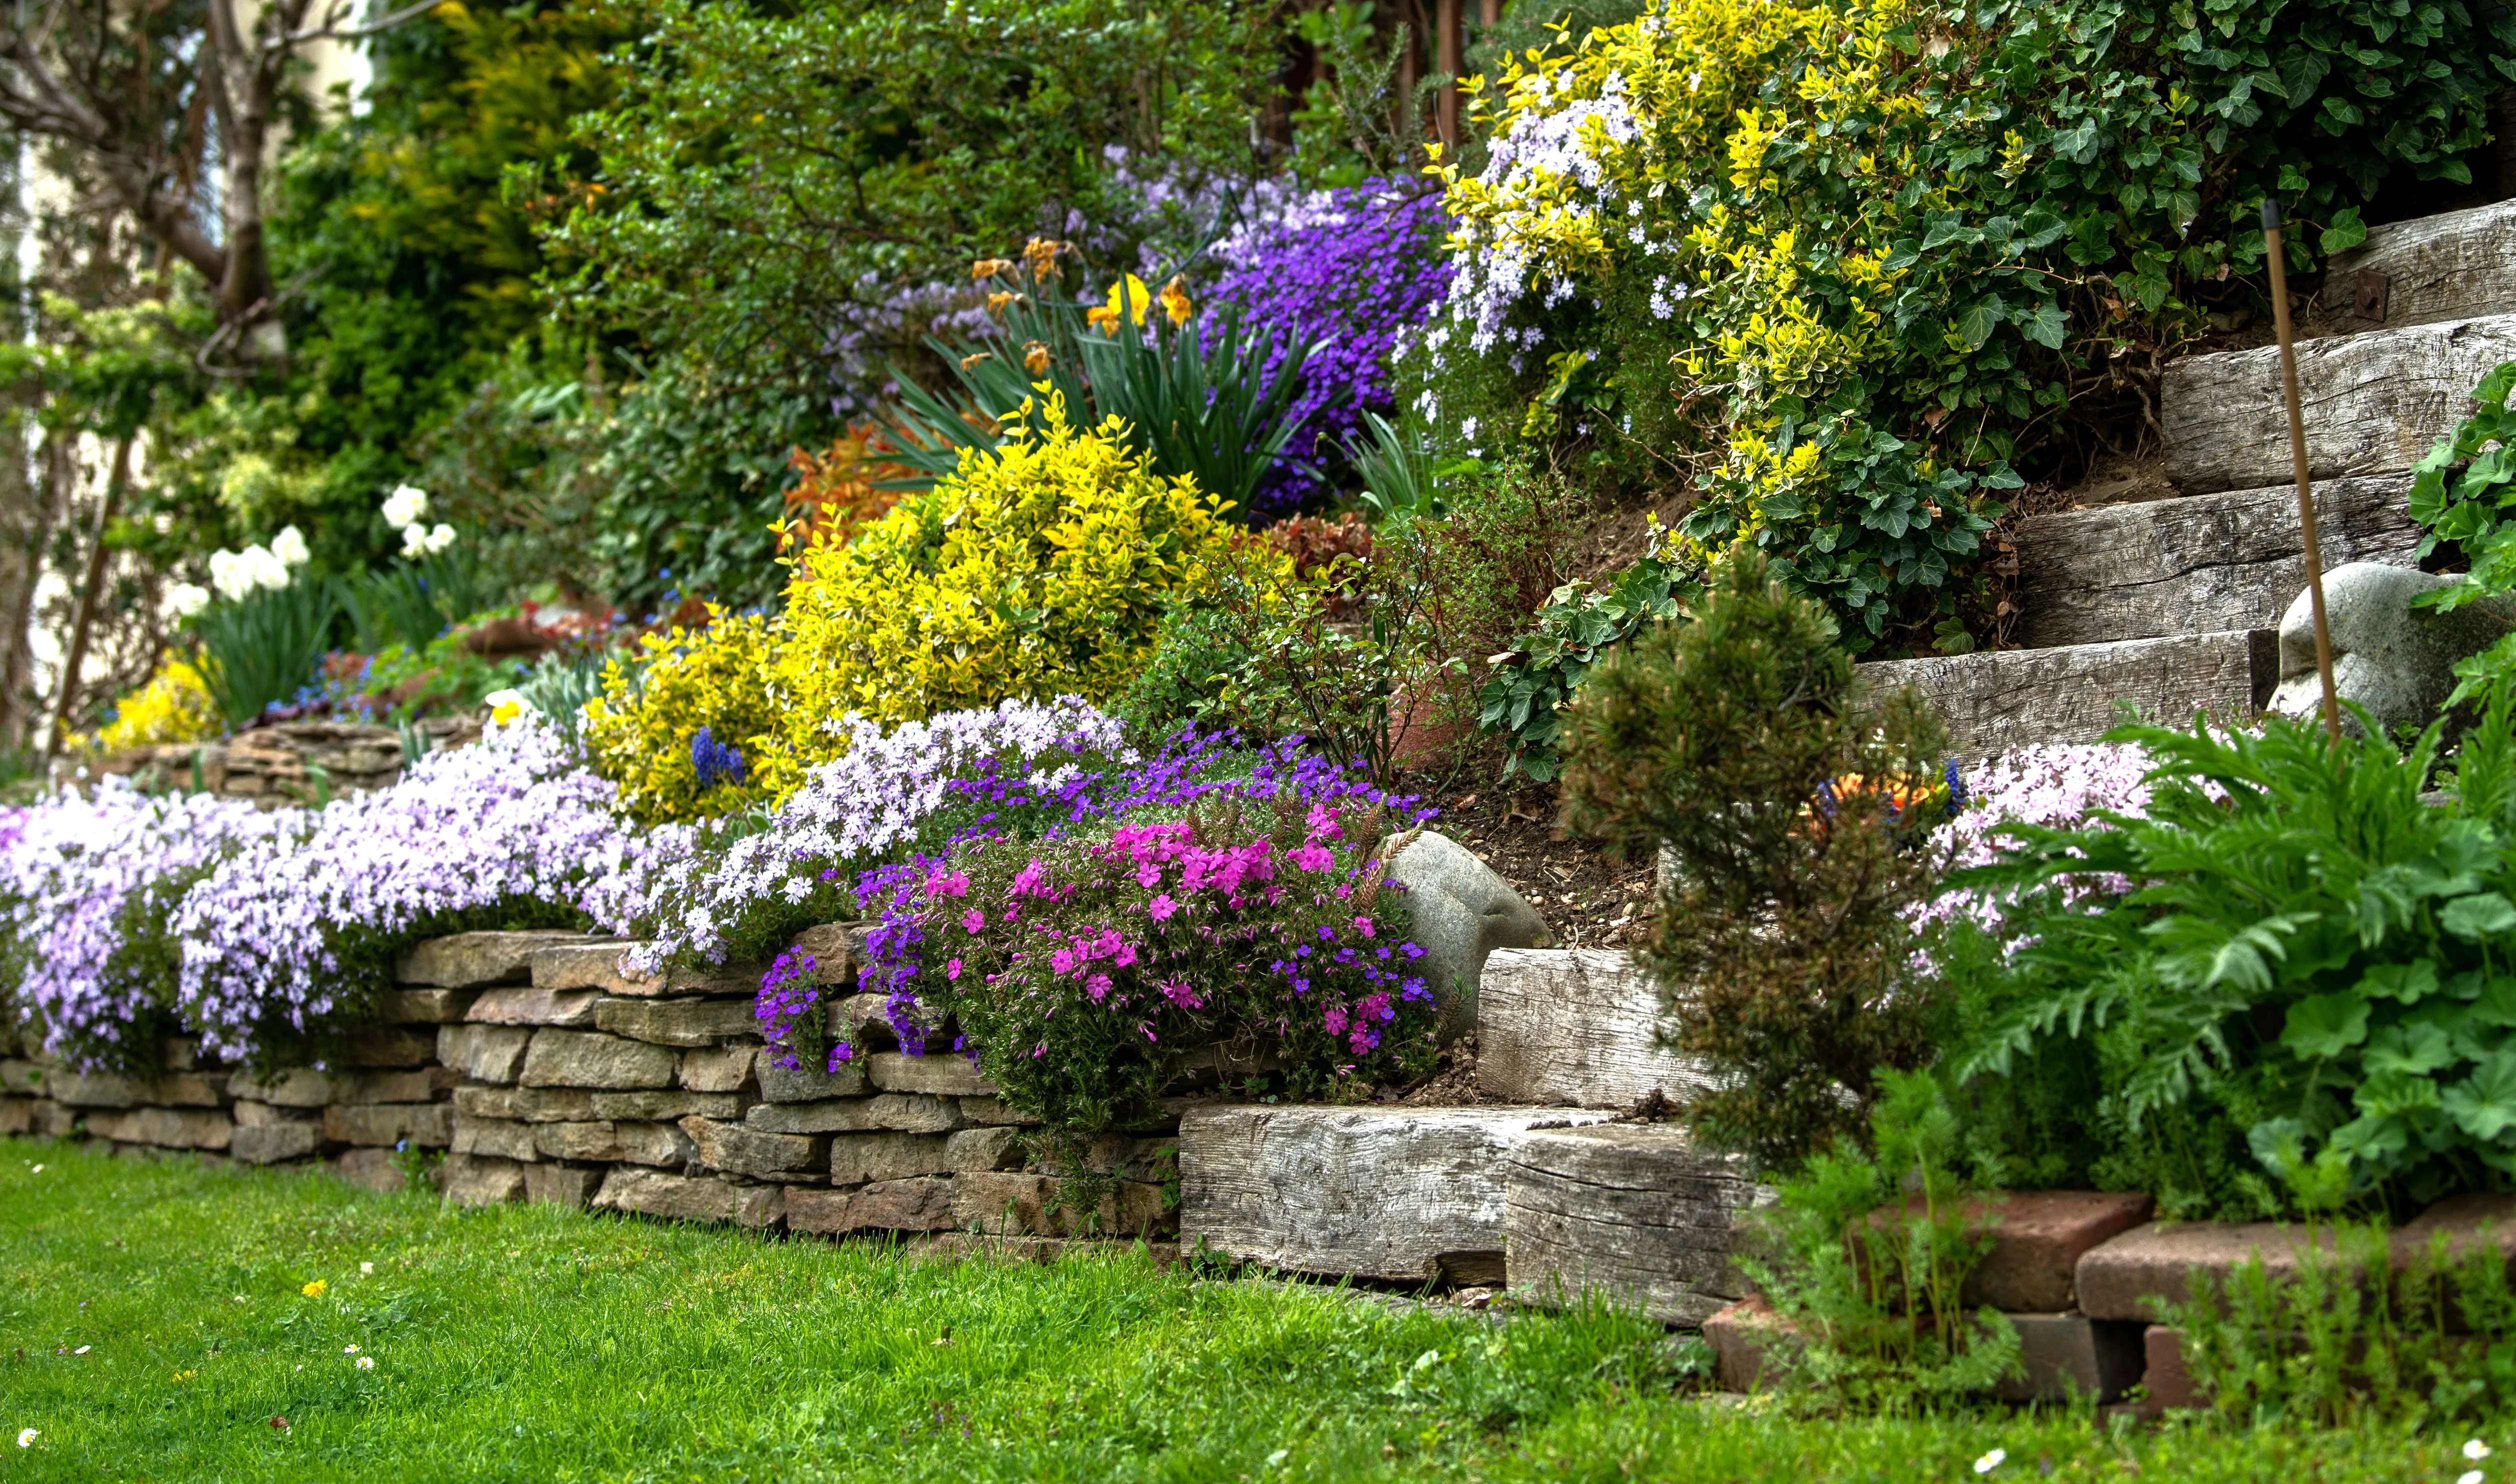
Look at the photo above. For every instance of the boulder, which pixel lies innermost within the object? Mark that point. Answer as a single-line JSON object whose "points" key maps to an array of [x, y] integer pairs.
{"points": [[1460, 911], [2395, 660]]}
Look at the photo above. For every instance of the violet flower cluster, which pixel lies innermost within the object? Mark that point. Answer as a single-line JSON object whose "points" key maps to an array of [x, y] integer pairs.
{"points": [[287, 936], [877, 798], [1349, 268], [73, 871]]}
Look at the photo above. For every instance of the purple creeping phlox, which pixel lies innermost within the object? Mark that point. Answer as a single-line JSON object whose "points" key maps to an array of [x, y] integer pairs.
{"points": [[1080, 965], [876, 802], [2058, 785], [1348, 267], [73, 870], [287, 934]]}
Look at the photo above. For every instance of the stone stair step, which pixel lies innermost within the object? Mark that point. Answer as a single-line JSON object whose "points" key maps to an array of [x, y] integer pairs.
{"points": [[1994, 701], [2375, 403], [2458, 265], [1572, 1026], [2202, 562], [1414, 1194], [1632, 1211]]}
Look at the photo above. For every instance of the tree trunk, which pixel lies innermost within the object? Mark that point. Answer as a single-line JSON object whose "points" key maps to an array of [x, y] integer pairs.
{"points": [[91, 588], [1448, 58], [16, 704]]}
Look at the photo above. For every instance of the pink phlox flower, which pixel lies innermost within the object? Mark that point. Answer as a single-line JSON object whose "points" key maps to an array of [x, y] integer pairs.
{"points": [[1363, 924], [1160, 908], [1311, 857], [1375, 1007], [952, 970], [1321, 824], [1027, 882], [1336, 1020], [1062, 961], [1181, 994], [1363, 1038], [973, 919], [938, 884], [1108, 944], [1097, 987], [1125, 956]]}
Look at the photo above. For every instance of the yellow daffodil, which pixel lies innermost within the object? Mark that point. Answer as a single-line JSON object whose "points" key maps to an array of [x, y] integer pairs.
{"points": [[1129, 297], [1175, 300], [1036, 359]]}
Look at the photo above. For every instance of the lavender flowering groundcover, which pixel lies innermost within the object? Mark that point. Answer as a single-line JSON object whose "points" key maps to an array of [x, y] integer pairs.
{"points": [[89, 963], [286, 940]]}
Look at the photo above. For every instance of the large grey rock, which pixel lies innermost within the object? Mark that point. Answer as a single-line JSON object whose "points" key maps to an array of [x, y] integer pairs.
{"points": [[560, 1058], [1460, 911], [2396, 660]]}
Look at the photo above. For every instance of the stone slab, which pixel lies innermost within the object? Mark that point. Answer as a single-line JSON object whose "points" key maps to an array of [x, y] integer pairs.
{"points": [[590, 964], [533, 1004], [430, 1124], [2374, 404], [484, 1052], [1634, 1211], [856, 1158], [594, 1060], [738, 1150], [1994, 701], [719, 1069], [270, 1144], [667, 1104], [943, 1074], [476, 960], [503, 1137], [164, 1128], [613, 1143], [807, 1082], [291, 1088], [2204, 564], [423, 1006], [920, 1204], [563, 1184], [470, 1179], [673, 1197], [387, 1046], [17, 1115], [91, 1089], [678, 1022], [373, 1169], [1372, 1192], [1572, 1027]]}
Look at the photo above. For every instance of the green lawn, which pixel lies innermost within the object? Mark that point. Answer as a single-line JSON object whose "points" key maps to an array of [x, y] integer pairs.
{"points": [[153, 1324]]}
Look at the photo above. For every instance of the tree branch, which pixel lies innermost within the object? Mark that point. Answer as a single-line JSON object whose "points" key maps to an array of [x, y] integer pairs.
{"points": [[330, 29]]}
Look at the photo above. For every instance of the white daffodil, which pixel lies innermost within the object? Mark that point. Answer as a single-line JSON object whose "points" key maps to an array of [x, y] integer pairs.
{"points": [[440, 538], [506, 705], [229, 575], [2470, 1476], [414, 541], [184, 600], [261, 568], [1992, 1461], [289, 546], [2475, 1450], [405, 505]]}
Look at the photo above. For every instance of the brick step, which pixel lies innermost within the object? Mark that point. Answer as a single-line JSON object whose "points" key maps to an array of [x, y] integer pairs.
{"points": [[1996, 701], [2201, 564], [2375, 403]]}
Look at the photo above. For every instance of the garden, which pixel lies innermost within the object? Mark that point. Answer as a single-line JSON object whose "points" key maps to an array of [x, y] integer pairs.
{"points": [[866, 621]]}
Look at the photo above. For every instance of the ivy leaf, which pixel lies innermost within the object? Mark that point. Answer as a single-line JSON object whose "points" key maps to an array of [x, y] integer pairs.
{"points": [[2321, 1027], [2474, 918], [2484, 1104], [1973, 327], [2046, 326], [2344, 232]]}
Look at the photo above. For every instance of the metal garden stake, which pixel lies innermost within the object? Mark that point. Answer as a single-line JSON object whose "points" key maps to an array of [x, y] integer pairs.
{"points": [[2297, 459]]}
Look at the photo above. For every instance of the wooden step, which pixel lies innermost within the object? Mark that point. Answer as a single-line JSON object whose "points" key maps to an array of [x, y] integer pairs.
{"points": [[1574, 1026], [1383, 1192], [1996, 701], [2374, 404], [2458, 265], [2201, 563], [1632, 1211]]}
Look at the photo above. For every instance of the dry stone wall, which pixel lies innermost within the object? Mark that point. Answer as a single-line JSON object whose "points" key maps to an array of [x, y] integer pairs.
{"points": [[513, 1066]]}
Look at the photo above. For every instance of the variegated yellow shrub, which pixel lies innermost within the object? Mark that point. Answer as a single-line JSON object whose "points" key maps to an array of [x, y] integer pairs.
{"points": [[688, 727], [1034, 571], [175, 706]]}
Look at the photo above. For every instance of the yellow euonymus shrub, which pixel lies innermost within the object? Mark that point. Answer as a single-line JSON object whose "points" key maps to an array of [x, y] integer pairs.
{"points": [[1036, 571], [174, 706], [640, 728], [1039, 569]]}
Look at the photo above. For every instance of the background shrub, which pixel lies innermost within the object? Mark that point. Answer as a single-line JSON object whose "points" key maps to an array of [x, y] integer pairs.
{"points": [[641, 730]]}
